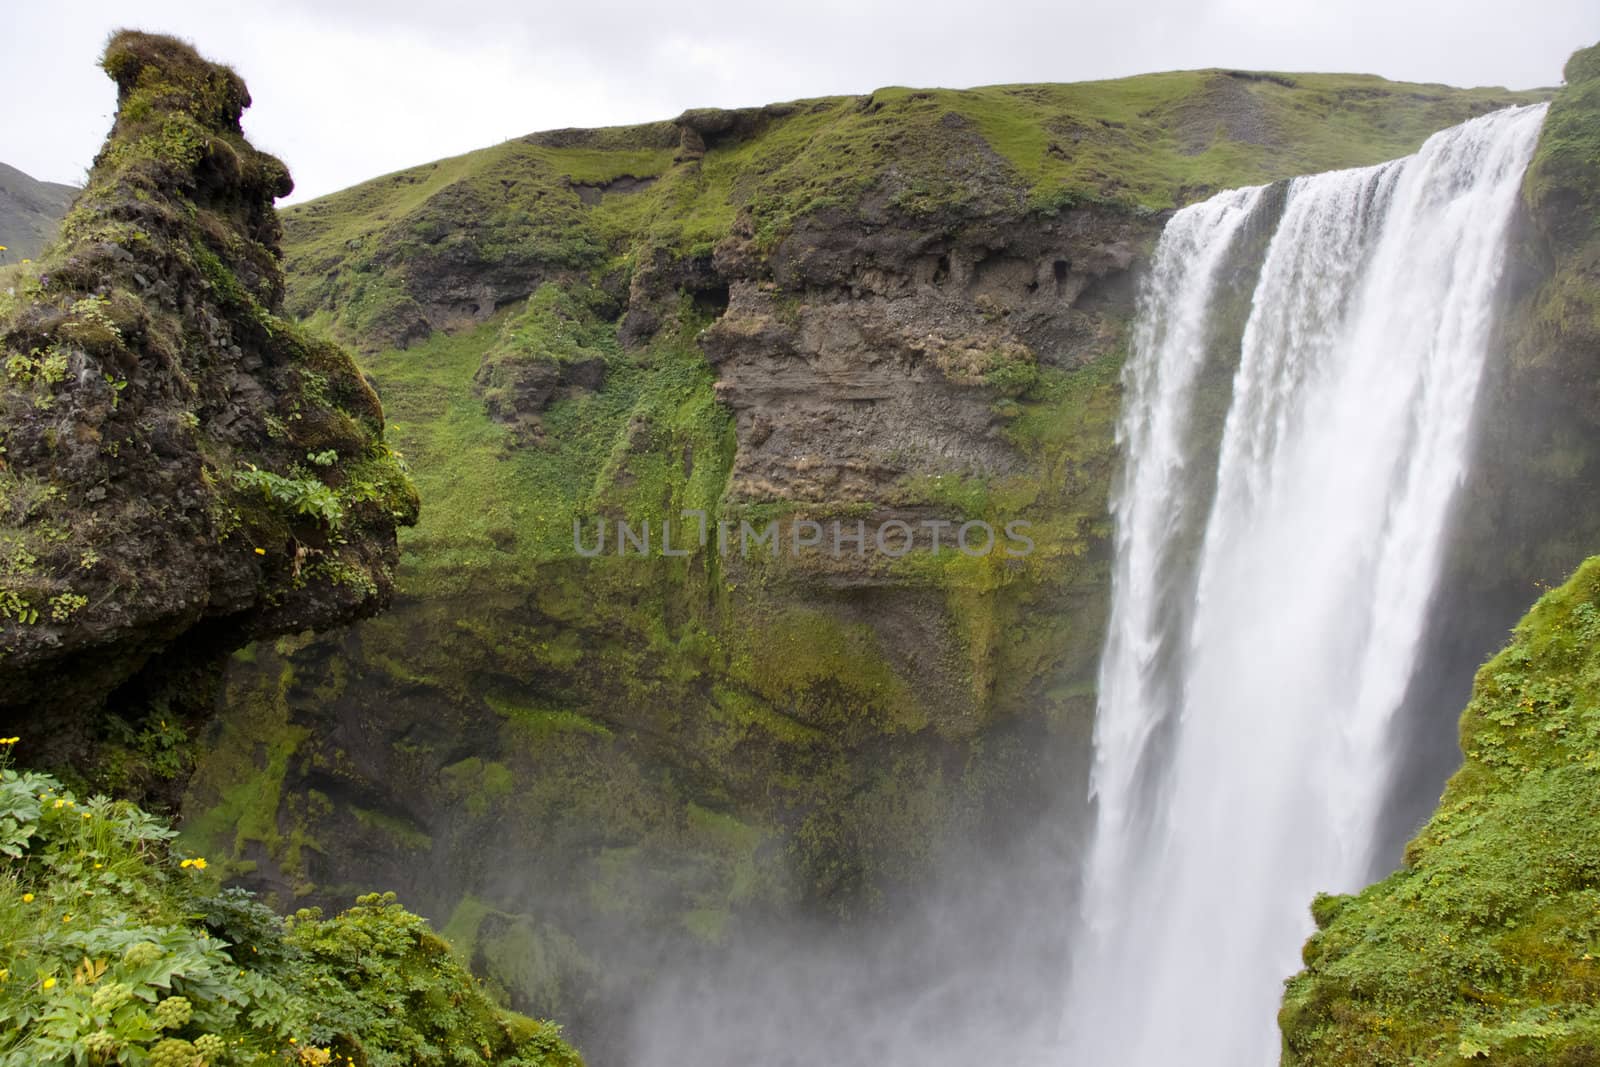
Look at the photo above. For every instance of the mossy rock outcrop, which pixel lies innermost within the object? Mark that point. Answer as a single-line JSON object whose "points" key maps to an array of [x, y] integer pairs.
{"points": [[182, 469], [1485, 947]]}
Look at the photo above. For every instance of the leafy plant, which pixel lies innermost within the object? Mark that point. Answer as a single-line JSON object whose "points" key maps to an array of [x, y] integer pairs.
{"points": [[302, 496], [118, 951]]}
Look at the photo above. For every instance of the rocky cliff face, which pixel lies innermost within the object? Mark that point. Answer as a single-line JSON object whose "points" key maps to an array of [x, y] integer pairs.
{"points": [[907, 307], [852, 366], [182, 470]]}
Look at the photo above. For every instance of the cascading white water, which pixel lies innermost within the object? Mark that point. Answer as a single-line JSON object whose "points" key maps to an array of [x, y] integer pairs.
{"points": [[1246, 689]]}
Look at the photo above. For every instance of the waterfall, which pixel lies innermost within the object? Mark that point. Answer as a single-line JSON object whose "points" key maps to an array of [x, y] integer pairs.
{"points": [[1261, 640]]}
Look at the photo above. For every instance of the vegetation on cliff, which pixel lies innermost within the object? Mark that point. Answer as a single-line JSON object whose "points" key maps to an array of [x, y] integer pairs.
{"points": [[392, 259], [118, 949], [1544, 395], [182, 469], [1486, 945], [1556, 327]]}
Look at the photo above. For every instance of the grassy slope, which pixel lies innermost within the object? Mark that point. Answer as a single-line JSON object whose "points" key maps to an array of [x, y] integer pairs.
{"points": [[1148, 142], [29, 213], [1487, 945]]}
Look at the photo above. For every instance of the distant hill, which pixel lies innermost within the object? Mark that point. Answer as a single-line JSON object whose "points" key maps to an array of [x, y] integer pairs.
{"points": [[29, 213]]}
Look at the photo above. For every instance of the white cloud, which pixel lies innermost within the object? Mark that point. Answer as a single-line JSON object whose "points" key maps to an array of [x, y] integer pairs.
{"points": [[350, 90]]}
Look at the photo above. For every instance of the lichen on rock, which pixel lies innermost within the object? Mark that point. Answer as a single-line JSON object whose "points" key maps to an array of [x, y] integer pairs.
{"points": [[182, 469]]}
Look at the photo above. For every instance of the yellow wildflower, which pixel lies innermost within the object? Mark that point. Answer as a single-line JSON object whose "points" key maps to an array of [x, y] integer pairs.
{"points": [[261, 552], [49, 983], [27, 898], [9, 740]]}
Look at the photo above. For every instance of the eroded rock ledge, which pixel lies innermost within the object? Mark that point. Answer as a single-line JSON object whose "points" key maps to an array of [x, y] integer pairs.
{"points": [[182, 470], [854, 364]]}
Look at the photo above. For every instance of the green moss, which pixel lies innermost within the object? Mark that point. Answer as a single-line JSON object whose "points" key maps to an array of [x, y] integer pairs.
{"points": [[1565, 172], [476, 784], [256, 747], [557, 324], [291, 494], [809, 665], [1487, 943], [535, 725], [401, 832], [1562, 190]]}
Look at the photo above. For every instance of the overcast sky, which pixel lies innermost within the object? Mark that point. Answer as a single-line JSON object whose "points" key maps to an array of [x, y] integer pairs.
{"points": [[348, 89]]}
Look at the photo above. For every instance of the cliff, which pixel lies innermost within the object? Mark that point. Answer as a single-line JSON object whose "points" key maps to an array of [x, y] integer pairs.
{"points": [[909, 306], [182, 469]]}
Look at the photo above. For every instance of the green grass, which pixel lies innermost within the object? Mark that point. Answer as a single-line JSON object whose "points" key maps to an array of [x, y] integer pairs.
{"points": [[1159, 139], [496, 505], [1143, 143]]}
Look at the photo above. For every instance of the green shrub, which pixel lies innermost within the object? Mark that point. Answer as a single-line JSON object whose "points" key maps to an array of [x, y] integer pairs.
{"points": [[118, 951]]}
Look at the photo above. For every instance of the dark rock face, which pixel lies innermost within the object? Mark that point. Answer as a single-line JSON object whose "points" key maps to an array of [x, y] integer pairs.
{"points": [[182, 470], [855, 360], [701, 128]]}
